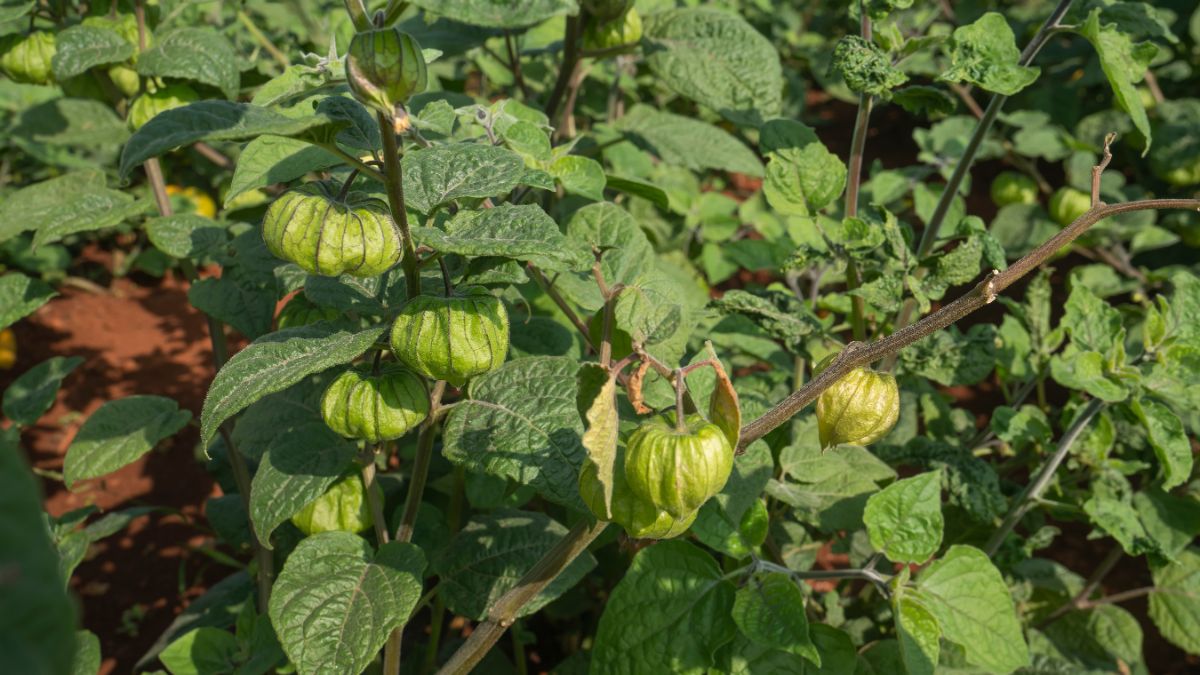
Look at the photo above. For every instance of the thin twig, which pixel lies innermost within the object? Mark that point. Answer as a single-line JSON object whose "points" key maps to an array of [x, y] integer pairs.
{"points": [[1082, 597], [549, 289]]}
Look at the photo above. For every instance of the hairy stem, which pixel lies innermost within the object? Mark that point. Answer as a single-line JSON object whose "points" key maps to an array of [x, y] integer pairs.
{"points": [[420, 468], [858, 144], [570, 58], [395, 193]]}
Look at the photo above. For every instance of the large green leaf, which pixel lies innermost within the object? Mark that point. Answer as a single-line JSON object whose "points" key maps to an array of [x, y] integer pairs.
{"points": [[749, 658], [1167, 436], [217, 121], [267, 160], [20, 296], [118, 433], [985, 54], [336, 601], [771, 612], [499, 13], [918, 633], [65, 205], [718, 60], [904, 520], [78, 48], [969, 598], [668, 614], [440, 174], [1124, 64], [626, 252], [521, 423], [186, 235], [688, 142], [32, 394], [37, 626], [1175, 604], [491, 553], [201, 54], [523, 233], [87, 653], [277, 361], [802, 174]]}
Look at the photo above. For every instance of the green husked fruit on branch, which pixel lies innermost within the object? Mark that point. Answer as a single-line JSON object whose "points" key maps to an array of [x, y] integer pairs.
{"points": [[145, 107], [620, 34], [607, 10], [858, 409], [1011, 187], [678, 470], [126, 79], [384, 67], [343, 508], [1067, 204], [640, 518], [300, 311], [27, 58], [375, 408], [327, 235], [452, 338]]}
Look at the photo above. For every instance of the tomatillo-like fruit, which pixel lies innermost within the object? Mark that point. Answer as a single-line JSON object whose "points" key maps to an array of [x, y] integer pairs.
{"points": [[858, 409], [375, 408], [452, 338], [622, 33], [676, 469], [640, 518], [384, 67], [607, 10], [1011, 187], [145, 107], [330, 235], [27, 58], [343, 508], [1067, 204]]}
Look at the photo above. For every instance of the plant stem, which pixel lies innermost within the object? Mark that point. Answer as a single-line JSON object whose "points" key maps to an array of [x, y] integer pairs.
{"points": [[505, 610], [395, 193], [1093, 582], [870, 574], [514, 64], [420, 468], [363, 167], [561, 302], [358, 15], [859, 354], [929, 236], [570, 58], [373, 499], [262, 39], [1034, 490], [680, 389], [519, 649], [858, 143]]}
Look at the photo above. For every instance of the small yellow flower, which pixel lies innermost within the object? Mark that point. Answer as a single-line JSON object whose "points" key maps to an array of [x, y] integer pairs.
{"points": [[8, 349], [198, 200]]}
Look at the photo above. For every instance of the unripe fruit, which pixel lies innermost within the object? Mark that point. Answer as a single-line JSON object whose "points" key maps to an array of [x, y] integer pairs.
{"points": [[384, 67], [640, 518], [858, 409], [126, 79], [607, 10], [343, 508], [27, 58], [1014, 188], [300, 311], [325, 235], [452, 338], [145, 107], [1067, 204], [678, 470], [375, 408], [622, 33]]}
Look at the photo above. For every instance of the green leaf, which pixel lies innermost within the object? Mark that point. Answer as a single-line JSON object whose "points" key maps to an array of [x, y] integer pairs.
{"points": [[118, 433], [1092, 323], [79, 48], [203, 651], [200, 54], [21, 296], [298, 466], [38, 621], [581, 176], [216, 121], [87, 653], [744, 657], [32, 394], [1175, 604], [440, 174], [1166, 434], [865, 67], [55, 208], [1085, 371], [918, 633], [771, 612], [668, 614], [275, 362], [489, 555], [1172, 522], [726, 520], [638, 188], [803, 176], [236, 298], [688, 142], [601, 437], [336, 601], [985, 54], [718, 60], [626, 251], [970, 600], [904, 520], [268, 160], [73, 542], [1124, 64], [521, 423], [186, 235], [523, 233], [499, 13], [11, 10], [951, 358]]}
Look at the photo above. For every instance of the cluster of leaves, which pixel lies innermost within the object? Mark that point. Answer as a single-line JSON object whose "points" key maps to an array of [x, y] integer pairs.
{"points": [[613, 202]]}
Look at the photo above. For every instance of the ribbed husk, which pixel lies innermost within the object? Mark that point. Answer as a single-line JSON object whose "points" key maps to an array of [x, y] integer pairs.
{"points": [[452, 338], [676, 471], [28, 58], [375, 407], [859, 409], [145, 107], [312, 228], [640, 518], [384, 67], [300, 311], [622, 32], [606, 10], [343, 508]]}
